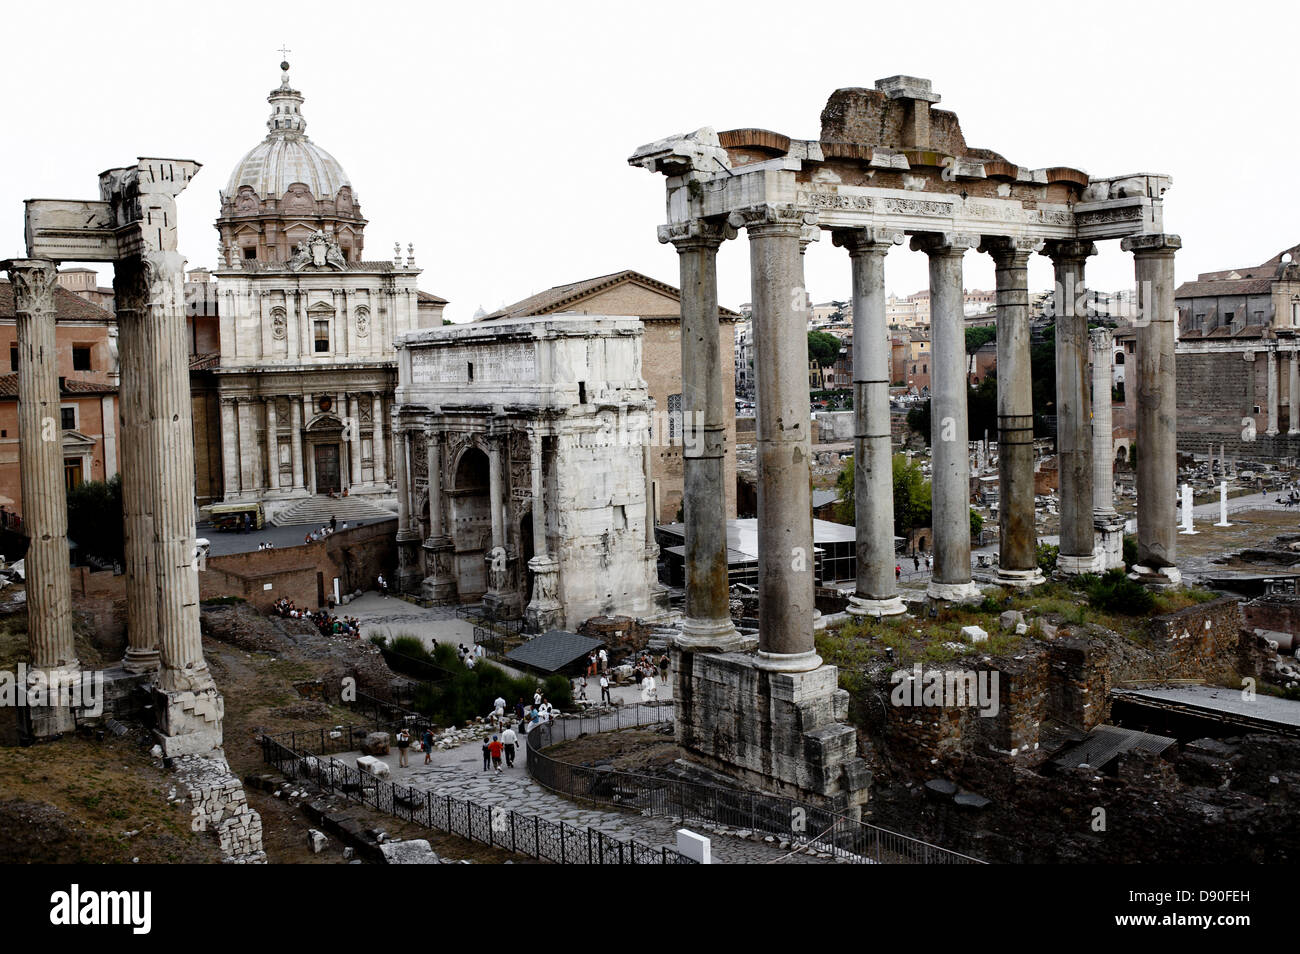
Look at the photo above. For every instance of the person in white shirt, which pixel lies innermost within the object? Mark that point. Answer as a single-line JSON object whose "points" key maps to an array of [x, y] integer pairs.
{"points": [[604, 689], [604, 660], [508, 741]]}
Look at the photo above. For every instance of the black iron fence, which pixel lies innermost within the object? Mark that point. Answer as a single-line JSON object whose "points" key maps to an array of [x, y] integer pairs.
{"points": [[306, 755], [807, 827]]}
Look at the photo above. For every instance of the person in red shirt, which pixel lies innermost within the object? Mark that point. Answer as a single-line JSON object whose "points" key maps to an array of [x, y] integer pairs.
{"points": [[495, 748]]}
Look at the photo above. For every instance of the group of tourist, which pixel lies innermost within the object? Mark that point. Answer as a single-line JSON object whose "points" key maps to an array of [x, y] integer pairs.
{"points": [[327, 623], [470, 657], [597, 662], [266, 545]]}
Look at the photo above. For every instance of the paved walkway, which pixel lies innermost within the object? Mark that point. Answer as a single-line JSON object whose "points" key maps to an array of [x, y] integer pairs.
{"points": [[224, 542], [459, 773]]}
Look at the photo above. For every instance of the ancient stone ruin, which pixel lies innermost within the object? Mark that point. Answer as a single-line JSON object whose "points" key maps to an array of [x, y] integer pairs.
{"points": [[887, 166]]}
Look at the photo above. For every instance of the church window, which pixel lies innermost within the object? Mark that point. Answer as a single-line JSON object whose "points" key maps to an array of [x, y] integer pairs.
{"points": [[321, 327], [250, 253]]}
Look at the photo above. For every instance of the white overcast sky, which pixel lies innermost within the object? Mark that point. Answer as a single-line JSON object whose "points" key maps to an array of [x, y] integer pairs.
{"points": [[494, 136]]}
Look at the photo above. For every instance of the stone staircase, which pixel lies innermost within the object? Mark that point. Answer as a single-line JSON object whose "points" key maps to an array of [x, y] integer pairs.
{"points": [[316, 511]]}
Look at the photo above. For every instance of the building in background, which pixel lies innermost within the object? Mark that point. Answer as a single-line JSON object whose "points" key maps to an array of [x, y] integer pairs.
{"points": [[658, 305], [86, 346], [293, 362], [1238, 360]]}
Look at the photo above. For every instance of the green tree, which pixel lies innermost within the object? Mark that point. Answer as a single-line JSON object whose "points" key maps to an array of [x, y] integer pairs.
{"points": [[1042, 371], [95, 518], [976, 522], [823, 347], [979, 336], [911, 495]]}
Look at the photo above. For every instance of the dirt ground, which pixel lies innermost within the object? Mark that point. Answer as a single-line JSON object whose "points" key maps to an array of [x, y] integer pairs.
{"points": [[632, 750], [83, 800]]}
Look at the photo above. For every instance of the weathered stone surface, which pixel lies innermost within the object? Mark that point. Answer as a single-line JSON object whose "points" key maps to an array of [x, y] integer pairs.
{"points": [[376, 743], [413, 852], [373, 766], [316, 841]]}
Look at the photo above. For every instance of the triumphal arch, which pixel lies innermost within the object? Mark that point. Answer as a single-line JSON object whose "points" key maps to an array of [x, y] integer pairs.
{"points": [[888, 168]]}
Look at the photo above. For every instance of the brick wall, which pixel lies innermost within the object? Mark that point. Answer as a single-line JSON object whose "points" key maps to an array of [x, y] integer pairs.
{"points": [[355, 556]]}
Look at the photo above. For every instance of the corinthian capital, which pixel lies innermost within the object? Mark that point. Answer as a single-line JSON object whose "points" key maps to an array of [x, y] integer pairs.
{"points": [[944, 243], [1063, 251], [33, 281]]}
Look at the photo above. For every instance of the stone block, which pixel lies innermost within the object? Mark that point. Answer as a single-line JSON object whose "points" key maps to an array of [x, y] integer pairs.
{"points": [[373, 766], [416, 851], [316, 841], [1010, 620], [974, 634], [376, 743]]}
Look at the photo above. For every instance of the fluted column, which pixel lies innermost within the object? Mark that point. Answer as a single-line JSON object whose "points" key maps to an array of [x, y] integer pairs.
{"points": [[1017, 534], [248, 482], [354, 410], [950, 476], [142, 654], [1293, 396], [785, 539], [272, 446], [707, 624], [1103, 444], [539, 496], [1157, 407], [377, 439], [433, 449], [295, 446], [1272, 428], [496, 491], [403, 481], [40, 465], [229, 440], [873, 462], [153, 285], [1073, 411]]}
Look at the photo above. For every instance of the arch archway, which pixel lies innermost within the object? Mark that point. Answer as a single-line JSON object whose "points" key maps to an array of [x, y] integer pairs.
{"points": [[470, 515]]}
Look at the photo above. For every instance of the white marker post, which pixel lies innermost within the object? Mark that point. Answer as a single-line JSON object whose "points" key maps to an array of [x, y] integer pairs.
{"points": [[1187, 510], [1223, 505]]}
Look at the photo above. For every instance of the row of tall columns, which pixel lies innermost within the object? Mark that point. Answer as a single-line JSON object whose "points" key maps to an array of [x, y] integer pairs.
{"points": [[950, 461], [241, 468], [1073, 408], [1017, 536], [1271, 428], [1273, 395], [1157, 406], [40, 465], [876, 593]]}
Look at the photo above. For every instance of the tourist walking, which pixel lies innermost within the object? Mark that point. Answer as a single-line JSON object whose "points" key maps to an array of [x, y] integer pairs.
{"points": [[495, 748], [334, 523], [508, 742], [403, 743], [487, 753], [604, 660], [663, 668], [427, 741], [604, 689]]}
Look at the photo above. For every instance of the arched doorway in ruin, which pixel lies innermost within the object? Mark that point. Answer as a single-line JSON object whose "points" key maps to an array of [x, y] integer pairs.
{"points": [[470, 521]]}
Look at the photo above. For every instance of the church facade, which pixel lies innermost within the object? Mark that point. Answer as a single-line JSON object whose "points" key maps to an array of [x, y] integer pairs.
{"points": [[301, 388]]}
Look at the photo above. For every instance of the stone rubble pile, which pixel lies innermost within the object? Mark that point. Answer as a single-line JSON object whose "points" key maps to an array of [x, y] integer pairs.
{"points": [[218, 804]]}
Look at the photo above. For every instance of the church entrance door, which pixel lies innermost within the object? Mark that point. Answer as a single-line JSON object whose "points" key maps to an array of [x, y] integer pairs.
{"points": [[327, 469]]}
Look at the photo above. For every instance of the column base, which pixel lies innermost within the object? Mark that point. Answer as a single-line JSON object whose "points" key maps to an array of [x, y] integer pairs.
{"points": [[50, 701], [787, 662], [141, 660], [1109, 534], [712, 635], [503, 605], [1071, 565], [439, 586], [544, 610], [1022, 579], [1156, 575], [968, 592], [866, 606], [189, 721], [1188, 532]]}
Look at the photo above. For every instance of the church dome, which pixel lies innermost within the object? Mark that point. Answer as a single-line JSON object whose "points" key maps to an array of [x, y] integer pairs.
{"points": [[287, 156]]}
